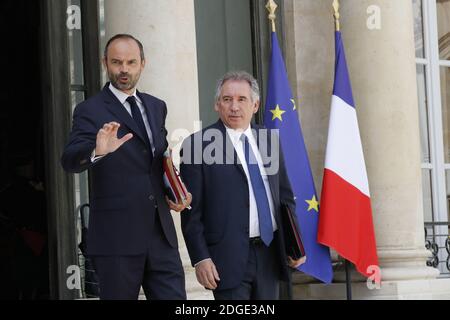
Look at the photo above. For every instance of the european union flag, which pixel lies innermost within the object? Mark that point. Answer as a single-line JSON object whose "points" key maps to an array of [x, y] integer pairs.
{"points": [[281, 113]]}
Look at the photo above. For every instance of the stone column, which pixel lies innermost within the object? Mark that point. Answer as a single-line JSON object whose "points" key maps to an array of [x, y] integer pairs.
{"points": [[383, 73], [167, 31]]}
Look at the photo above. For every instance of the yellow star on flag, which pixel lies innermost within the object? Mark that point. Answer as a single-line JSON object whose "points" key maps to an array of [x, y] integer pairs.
{"points": [[277, 113], [313, 204]]}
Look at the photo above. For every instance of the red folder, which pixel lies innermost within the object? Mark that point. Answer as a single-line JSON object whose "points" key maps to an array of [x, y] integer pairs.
{"points": [[175, 188]]}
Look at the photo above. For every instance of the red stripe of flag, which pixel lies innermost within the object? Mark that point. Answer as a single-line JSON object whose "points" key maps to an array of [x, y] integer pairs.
{"points": [[346, 222]]}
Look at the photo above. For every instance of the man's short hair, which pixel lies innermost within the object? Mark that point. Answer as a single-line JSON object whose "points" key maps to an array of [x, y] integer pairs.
{"points": [[239, 76], [124, 36]]}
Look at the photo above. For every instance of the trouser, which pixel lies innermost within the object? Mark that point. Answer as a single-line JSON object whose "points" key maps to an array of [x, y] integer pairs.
{"points": [[261, 278], [159, 271]]}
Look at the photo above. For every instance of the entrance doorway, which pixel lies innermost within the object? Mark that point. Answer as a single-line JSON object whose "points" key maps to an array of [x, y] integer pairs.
{"points": [[39, 202], [24, 260]]}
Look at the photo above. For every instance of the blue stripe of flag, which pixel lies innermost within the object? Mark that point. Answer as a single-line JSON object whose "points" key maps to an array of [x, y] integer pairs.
{"points": [[342, 84]]}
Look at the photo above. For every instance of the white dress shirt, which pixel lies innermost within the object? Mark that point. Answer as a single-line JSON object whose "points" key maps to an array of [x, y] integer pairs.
{"points": [[122, 97], [235, 137]]}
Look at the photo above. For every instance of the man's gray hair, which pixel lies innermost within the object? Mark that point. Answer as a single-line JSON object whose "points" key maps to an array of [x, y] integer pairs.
{"points": [[239, 76]]}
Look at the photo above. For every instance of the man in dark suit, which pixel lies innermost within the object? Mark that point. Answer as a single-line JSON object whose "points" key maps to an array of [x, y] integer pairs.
{"points": [[236, 174], [120, 135]]}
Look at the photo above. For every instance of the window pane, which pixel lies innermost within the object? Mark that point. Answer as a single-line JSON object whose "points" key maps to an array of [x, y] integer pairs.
{"points": [[102, 37], [427, 195], [75, 42], [447, 183], [418, 28], [423, 113], [224, 42], [81, 190], [81, 180], [77, 97], [445, 97], [443, 20]]}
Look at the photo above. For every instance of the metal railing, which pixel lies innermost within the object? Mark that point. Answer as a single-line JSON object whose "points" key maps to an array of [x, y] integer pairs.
{"points": [[437, 240]]}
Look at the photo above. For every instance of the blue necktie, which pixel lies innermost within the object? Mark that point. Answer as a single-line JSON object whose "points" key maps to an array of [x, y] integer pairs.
{"points": [[137, 116], [259, 190]]}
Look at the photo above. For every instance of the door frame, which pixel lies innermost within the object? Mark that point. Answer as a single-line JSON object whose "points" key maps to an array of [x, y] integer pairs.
{"points": [[56, 95], [59, 185]]}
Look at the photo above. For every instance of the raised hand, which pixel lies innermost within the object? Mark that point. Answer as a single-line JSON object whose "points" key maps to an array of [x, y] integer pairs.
{"points": [[107, 141]]}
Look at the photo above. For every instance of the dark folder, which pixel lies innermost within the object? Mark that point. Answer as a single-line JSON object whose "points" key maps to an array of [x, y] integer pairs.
{"points": [[292, 237]]}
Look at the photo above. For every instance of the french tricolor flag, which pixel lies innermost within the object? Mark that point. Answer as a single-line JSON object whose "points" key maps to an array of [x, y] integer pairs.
{"points": [[345, 222]]}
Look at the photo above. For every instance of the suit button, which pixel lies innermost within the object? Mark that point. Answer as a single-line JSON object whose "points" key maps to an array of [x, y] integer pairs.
{"points": [[151, 198], [144, 151]]}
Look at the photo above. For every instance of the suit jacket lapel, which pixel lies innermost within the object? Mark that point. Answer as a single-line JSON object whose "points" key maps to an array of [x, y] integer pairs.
{"points": [[115, 107]]}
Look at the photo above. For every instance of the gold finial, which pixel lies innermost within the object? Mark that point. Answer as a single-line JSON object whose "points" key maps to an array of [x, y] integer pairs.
{"points": [[336, 15], [271, 6]]}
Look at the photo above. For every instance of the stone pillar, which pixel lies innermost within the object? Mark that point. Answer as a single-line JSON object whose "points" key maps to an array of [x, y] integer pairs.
{"points": [[310, 63], [167, 31], [383, 73]]}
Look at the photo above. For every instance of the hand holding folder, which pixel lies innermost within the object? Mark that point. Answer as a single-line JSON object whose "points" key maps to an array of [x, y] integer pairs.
{"points": [[292, 237], [175, 188]]}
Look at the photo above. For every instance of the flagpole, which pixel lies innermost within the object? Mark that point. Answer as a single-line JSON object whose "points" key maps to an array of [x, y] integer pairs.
{"points": [[271, 6], [348, 275], [337, 15], [348, 279]]}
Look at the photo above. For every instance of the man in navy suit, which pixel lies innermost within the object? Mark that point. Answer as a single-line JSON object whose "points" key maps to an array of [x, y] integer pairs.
{"points": [[120, 136], [236, 174]]}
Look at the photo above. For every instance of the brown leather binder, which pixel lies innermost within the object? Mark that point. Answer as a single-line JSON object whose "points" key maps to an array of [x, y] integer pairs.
{"points": [[292, 236]]}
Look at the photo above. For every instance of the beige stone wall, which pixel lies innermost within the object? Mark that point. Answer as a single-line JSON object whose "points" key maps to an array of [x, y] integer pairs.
{"points": [[310, 63], [167, 30]]}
